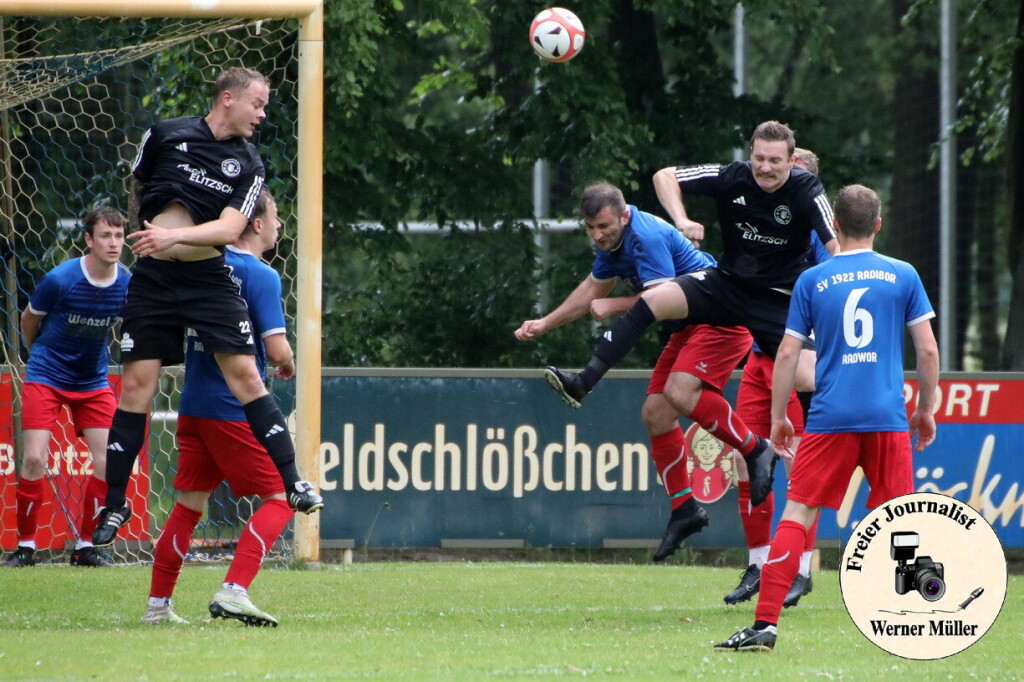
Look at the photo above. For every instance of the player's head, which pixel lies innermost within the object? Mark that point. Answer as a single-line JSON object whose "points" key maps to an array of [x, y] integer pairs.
{"points": [[242, 95], [605, 214], [806, 159], [265, 224], [104, 233], [771, 154], [858, 212]]}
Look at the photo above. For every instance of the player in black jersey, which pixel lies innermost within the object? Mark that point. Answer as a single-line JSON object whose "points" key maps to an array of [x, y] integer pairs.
{"points": [[197, 182], [766, 210]]}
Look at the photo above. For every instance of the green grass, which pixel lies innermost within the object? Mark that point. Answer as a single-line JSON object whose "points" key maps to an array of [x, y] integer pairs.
{"points": [[453, 621]]}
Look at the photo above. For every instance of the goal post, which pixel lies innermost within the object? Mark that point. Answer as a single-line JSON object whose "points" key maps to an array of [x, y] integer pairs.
{"points": [[308, 181]]}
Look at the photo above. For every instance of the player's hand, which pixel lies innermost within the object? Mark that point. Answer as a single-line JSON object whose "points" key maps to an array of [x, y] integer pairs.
{"points": [[530, 330], [152, 240], [285, 371], [782, 437], [924, 424], [692, 230]]}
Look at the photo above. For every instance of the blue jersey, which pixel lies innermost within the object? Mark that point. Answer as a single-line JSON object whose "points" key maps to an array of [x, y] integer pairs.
{"points": [[858, 304], [70, 352], [205, 393], [651, 252]]}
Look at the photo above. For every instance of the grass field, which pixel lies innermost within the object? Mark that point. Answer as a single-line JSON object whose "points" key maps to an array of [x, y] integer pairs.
{"points": [[453, 621]]}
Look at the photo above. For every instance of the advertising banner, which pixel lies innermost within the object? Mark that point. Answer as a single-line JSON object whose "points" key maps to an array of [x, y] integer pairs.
{"points": [[466, 458], [68, 468]]}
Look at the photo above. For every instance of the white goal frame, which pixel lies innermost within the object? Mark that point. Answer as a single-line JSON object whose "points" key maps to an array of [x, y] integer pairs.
{"points": [[309, 198]]}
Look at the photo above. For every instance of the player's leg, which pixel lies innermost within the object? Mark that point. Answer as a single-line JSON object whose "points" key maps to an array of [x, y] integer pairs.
{"points": [[687, 517], [92, 413], [139, 380], [29, 496], [249, 471], [196, 478], [664, 302], [820, 477], [269, 426]]}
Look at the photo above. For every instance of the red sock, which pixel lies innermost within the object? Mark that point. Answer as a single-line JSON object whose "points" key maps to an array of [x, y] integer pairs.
{"points": [[95, 491], [258, 536], [778, 572], [171, 548], [714, 414], [812, 533], [29, 499], [670, 461], [757, 521]]}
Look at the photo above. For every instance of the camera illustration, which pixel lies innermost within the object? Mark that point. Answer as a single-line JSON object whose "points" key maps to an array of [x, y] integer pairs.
{"points": [[924, 575]]}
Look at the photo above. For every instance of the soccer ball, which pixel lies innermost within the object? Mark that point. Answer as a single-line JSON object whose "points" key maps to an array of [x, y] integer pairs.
{"points": [[557, 34]]}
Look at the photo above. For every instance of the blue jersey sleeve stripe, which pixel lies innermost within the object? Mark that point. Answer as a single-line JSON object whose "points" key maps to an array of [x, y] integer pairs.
{"points": [[36, 312], [273, 332], [602, 280], [797, 334], [922, 318]]}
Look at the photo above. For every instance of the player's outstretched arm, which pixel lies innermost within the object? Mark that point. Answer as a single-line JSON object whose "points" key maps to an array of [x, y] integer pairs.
{"points": [[575, 306], [923, 419], [280, 356]]}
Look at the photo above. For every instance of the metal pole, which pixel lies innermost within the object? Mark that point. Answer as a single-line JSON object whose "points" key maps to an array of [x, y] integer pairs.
{"points": [[310, 267], [739, 64], [947, 186], [542, 209]]}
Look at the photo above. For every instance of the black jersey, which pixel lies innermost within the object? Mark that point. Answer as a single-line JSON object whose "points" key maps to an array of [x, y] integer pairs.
{"points": [[766, 236], [181, 161]]}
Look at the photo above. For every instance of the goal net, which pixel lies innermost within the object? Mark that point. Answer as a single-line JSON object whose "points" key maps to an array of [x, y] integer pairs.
{"points": [[76, 97]]}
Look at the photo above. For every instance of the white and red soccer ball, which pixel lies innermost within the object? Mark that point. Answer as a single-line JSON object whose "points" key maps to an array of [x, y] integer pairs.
{"points": [[557, 34]]}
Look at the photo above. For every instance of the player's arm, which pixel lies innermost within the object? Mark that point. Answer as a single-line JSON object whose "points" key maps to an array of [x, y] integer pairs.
{"points": [[224, 230], [671, 197], [923, 419], [280, 356], [783, 380], [30, 324], [575, 306]]}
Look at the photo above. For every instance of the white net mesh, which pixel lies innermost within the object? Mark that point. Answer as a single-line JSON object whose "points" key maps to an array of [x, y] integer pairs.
{"points": [[76, 96]]}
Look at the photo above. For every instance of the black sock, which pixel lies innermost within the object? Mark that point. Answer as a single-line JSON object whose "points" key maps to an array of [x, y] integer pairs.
{"points": [[268, 425], [761, 624], [688, 508], [805, 402], [127, 434], [617, 342]]}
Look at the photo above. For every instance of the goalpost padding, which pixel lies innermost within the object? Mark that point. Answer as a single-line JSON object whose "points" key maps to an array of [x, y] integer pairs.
{"points": [[54, 202]]}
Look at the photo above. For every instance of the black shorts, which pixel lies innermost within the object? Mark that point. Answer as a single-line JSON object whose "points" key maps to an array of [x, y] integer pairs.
{"points": [[720, 299], [167, 297]]}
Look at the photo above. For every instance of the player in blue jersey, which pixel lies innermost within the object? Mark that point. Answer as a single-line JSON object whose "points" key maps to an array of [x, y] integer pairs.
{"points": [[767, 211], [66, 328], [197, 181], [754, 406], [215, 443], [857, 304], [644, 251]]}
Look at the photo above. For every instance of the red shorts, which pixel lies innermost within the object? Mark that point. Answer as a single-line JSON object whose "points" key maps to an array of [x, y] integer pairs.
{"points": [[89, 409], [754, 397], [825, 463], [706, 352], [214, 450]]}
